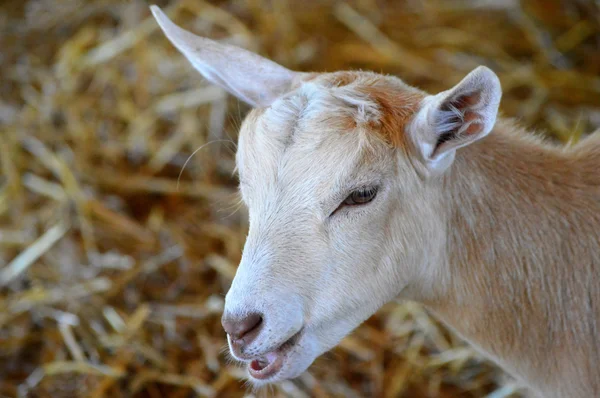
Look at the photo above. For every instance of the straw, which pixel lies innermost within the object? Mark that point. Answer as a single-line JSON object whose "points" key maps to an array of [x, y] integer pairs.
{"points": [[120, 223]]}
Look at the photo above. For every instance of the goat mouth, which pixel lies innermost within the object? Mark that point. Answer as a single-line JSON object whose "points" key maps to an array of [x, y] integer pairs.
{"points": [[271, 363]]}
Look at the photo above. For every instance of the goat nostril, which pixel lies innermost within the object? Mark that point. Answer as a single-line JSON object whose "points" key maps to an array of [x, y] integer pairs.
{"points": [[239, 327]]}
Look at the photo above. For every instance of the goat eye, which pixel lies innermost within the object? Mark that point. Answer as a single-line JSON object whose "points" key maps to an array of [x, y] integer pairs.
{"points": [[360, 197]]}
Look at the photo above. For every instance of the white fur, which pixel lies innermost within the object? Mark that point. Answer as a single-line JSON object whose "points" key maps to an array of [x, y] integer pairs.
{"points": [[294, 172], [254, 79]]}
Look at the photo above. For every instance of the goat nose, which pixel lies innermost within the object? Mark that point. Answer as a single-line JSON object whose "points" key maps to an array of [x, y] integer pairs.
{"points": [[238, 327]]}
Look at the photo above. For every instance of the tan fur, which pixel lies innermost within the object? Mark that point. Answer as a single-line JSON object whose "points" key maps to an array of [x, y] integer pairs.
{"points": [[523, 258], [397, 109]]}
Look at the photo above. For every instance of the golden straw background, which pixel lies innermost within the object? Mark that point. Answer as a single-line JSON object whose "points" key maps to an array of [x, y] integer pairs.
{"points": [[113, 274]]}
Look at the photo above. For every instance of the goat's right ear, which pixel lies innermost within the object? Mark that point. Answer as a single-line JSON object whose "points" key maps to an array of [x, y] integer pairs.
{"points": [[456, 118], [250, 77]]}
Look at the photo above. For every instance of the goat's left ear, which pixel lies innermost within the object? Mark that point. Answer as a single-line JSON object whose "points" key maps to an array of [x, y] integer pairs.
{"points": [[456, 118], [250, 77]]}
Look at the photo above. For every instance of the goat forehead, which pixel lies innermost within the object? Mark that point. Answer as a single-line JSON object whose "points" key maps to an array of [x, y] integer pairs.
{"points": [[315, 136], [309, 119], [372, 105], [314, 111], [304, 168]]}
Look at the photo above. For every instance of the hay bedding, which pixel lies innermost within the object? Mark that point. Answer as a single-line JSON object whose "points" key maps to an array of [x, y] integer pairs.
{"points": [[112, 271]]}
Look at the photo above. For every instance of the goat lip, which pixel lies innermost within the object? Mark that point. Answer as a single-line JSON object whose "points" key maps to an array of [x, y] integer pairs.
{"points": [[268, 365]]}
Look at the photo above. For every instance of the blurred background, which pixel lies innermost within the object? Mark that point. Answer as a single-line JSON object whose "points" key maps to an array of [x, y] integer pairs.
{"points": [[117, 245]]}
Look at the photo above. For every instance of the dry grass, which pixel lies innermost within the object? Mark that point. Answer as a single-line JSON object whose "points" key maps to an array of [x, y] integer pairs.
{"points": [[112, 272]]}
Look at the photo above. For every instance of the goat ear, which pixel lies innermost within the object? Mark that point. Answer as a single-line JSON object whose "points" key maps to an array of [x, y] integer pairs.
{"points": [[250, 77], [457, 117]]}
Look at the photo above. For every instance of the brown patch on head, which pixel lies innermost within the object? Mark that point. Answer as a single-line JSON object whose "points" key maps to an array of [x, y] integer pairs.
{"points": [[398, 106], [340, 79], [394, 103]]}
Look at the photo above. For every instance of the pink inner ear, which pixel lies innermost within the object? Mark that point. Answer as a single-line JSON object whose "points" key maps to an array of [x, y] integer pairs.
{"points": [[465, 102], [474, 127], [468, 99]]}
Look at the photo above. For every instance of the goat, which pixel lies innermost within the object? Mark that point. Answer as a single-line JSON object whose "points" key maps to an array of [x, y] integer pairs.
{"points": [[362, 189]]}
